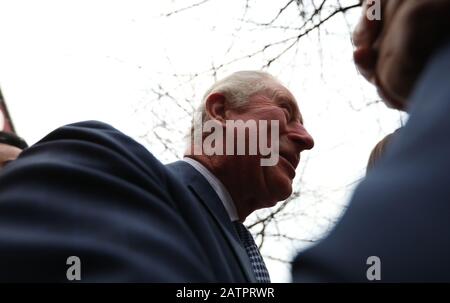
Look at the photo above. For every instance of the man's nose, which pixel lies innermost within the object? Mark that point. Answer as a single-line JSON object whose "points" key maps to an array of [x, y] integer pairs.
{"points": [[298, 134]]}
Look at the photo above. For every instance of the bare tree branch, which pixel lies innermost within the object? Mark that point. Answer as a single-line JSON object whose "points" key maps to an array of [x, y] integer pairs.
{"points": [[279, 13], [185, 8]]}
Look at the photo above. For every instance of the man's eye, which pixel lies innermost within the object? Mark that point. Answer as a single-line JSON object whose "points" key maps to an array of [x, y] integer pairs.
{"points": [[287, 114]]}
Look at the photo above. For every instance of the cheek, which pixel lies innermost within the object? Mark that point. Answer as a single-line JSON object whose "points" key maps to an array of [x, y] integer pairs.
{"points": [[276, 115]]}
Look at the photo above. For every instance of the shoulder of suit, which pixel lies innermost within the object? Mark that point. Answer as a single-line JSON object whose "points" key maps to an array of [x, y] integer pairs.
{"points": [[103, 143]]}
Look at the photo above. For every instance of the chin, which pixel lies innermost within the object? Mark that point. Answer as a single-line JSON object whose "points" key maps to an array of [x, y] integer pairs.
{"points": [[281, 190], [279, 185], [286, 193]]}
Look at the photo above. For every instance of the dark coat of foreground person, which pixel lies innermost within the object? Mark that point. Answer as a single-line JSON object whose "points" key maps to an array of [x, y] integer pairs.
{"points": [[401, 212], [108, 201]]}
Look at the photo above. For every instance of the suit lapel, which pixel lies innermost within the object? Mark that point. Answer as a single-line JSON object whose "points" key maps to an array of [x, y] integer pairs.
{"points": [[210, 200]]}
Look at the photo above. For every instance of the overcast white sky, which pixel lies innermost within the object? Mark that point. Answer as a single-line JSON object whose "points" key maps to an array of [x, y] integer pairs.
{"points": [[66, 61]]}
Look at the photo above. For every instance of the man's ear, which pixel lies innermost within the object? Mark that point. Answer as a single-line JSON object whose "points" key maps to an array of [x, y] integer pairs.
{"points": [[216, 106]]}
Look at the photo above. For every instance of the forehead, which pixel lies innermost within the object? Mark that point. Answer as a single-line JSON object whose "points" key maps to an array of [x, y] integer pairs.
{"points": [[276, 91], [280, 95]]}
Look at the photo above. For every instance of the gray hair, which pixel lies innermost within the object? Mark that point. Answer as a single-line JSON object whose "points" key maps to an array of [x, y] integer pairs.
{"points": [[237, 89]]}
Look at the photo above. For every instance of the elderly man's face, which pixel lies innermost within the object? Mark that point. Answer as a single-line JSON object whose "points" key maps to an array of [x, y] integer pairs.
{"points": [[8, 153], [274, 183]]}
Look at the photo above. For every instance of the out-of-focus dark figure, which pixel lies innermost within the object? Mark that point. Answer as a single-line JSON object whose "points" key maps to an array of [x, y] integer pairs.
{"points": [[397, 225], [11, 146]]}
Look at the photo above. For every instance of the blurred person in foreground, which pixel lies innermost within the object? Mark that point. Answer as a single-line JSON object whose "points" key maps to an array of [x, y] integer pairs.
{"points": [[10, 147], [397, 225], [87, 194]]}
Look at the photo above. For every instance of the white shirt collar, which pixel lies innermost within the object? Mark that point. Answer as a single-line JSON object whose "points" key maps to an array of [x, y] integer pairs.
{"points": [[218, 187]]}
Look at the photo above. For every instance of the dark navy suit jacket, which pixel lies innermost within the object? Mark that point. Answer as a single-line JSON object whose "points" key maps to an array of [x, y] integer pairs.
{"points": [[87, 190], [401, 212]]}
